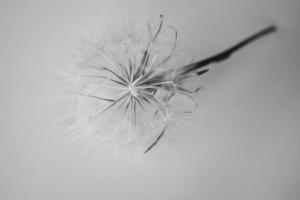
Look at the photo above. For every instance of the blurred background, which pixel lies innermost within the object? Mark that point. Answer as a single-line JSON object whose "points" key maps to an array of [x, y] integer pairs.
{"points": [[242, 142]]}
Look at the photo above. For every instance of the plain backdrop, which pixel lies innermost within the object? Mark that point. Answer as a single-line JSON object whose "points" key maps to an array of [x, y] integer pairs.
{"points": [[242, 142]]}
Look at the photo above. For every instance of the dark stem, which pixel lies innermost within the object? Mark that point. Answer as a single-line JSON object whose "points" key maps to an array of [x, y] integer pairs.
{"points": [[194, 67]]}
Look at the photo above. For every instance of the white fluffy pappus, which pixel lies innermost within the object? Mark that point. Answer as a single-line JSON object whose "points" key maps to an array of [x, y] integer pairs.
{"points": [[121, 90]]}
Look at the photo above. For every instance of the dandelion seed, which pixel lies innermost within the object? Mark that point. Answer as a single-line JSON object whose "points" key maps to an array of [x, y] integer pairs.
{"points": [[138, 85]]}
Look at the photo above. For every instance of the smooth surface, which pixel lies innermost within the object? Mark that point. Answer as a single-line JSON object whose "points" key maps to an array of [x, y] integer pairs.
{"points": [[242, 143]]}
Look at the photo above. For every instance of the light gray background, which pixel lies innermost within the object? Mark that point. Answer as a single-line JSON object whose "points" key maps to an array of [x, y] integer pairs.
{"points": [[242, 143]]}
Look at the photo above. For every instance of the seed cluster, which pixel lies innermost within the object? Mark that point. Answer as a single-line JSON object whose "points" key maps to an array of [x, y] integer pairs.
{"points": [[148, 82]]}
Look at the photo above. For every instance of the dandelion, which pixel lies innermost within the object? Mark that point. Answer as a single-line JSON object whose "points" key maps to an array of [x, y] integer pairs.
{"points": [[126, 85]]}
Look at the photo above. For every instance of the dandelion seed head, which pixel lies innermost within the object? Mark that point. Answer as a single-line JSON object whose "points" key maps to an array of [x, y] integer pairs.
{"points": [[123, 87], [127, 82]]}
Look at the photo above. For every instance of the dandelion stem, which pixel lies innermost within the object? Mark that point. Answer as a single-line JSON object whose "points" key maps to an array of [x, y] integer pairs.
{"points": [[226, 53]]}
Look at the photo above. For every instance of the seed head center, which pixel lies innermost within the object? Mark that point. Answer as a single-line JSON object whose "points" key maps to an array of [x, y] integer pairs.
{"points": [[132, 89]]}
